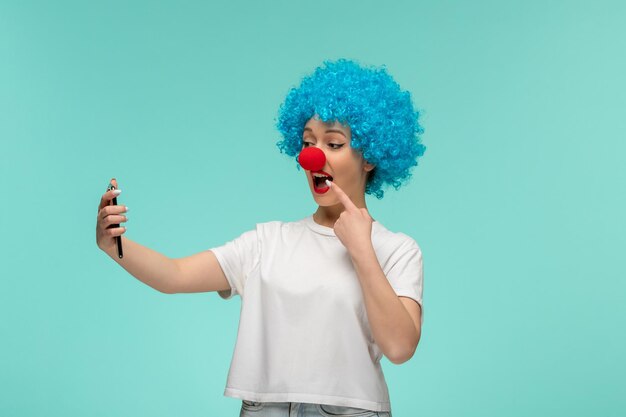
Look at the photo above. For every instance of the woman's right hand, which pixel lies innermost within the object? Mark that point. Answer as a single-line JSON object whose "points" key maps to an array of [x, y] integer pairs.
{"points": [[107, 215]]}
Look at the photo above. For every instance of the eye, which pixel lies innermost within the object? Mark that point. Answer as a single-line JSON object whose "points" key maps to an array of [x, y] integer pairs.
{"points": [[304, 143], [338, 145]]}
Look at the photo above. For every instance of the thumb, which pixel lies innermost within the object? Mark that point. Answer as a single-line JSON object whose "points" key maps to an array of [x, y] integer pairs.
{"points": [[107, 198]]}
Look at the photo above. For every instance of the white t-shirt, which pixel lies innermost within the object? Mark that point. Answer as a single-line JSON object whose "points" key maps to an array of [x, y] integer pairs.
{"points": [[303, 333]]}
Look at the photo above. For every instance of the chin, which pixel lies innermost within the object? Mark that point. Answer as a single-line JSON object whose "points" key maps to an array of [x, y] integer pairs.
{"points": [[323, 199]]}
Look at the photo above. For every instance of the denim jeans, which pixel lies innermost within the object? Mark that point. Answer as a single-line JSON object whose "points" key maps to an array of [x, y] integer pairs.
{"points": [[268, 409]]}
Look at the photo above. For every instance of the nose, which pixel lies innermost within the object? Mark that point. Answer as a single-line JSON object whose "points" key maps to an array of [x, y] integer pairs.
{"points": [[312, 158]]}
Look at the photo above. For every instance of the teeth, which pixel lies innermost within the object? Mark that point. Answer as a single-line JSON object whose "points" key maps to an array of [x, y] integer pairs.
{"points": [[318, 175], [318, 181]]}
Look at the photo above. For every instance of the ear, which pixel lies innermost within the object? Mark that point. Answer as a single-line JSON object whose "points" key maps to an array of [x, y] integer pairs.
{"points": [[368, 167]]}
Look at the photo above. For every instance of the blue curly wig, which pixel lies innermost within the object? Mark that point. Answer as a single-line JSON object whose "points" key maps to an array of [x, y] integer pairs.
{"points": [[381, 117]]}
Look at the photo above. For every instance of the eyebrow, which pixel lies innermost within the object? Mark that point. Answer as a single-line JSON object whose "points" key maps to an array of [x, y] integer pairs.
{"points": [[327, 131]]}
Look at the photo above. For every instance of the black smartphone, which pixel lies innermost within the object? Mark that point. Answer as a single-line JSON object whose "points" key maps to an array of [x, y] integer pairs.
{"points": [[118, 239]]}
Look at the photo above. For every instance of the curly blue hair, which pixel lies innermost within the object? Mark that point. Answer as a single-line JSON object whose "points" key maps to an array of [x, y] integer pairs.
{"points": [[382, 119]]}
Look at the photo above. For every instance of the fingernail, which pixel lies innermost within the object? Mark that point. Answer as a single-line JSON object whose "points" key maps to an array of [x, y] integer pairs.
{"points": [[328, 182], [126, 208], [117, 192]]}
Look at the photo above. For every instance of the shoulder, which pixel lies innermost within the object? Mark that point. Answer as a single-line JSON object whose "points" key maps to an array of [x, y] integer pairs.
{"points": [[393, 240]]}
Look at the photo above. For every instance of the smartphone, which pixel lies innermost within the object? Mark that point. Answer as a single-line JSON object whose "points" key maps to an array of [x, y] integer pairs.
{"points": [[118, 239]]}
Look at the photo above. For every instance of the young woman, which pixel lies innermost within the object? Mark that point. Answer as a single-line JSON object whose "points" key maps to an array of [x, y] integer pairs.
{"points": [[325, 297]]}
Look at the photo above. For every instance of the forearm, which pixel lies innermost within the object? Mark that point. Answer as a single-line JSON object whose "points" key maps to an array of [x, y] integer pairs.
{"points": [[391, 324], [148, 266]]}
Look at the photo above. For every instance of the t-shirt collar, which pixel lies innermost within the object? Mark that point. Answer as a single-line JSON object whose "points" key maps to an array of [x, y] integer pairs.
{"points": [[324, 230]]}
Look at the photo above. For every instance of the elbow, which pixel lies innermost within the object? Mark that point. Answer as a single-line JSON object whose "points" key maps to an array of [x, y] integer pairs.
{"points": [[166, 291], [399, 359], [401, 356]]}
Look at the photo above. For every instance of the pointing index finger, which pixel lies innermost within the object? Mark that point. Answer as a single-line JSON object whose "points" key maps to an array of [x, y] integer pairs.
{"points": [[343, 197]]}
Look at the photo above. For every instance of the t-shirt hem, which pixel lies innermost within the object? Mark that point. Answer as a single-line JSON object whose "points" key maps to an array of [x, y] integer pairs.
{"points": [[307, 398]]}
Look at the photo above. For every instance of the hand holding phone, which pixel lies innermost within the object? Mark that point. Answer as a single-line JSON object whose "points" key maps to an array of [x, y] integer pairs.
{"points": [[107, 232]]}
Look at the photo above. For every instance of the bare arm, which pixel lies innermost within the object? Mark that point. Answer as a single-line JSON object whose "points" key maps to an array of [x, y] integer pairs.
{"points": [[148, 266], [200, 273], [196, 273]]}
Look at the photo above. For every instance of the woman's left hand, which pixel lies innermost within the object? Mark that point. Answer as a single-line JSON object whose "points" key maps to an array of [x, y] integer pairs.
{"points": [[354, 225]]}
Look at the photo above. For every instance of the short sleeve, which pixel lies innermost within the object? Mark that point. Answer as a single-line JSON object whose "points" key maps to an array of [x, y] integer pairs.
{"points": [[237, 259], [406, 273]]}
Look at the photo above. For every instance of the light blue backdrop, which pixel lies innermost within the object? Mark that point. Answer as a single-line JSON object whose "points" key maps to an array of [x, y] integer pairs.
{"points": [[518, 203]]}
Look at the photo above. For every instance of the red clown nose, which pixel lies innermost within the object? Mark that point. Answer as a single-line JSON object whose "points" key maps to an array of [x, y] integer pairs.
{"points": [[312, 159]]}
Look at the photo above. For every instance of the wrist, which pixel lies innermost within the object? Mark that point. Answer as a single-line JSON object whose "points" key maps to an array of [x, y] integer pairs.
{"points": [[363, 253]]}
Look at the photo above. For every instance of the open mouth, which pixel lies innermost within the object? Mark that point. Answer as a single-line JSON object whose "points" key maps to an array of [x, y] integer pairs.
{"points": [[319, 181]]}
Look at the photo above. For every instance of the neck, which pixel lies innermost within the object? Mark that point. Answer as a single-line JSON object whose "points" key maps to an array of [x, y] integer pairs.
{"points": [[328, 215]]}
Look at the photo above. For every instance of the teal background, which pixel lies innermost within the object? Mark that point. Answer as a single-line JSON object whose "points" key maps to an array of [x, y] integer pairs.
{"points": [[518, 204]]}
